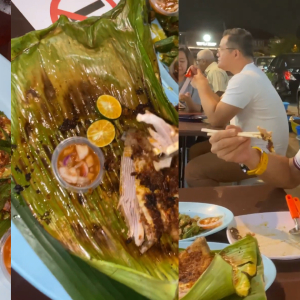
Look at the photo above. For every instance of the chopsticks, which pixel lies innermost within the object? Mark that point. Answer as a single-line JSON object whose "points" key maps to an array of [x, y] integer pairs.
{"points": [[256, 135]]}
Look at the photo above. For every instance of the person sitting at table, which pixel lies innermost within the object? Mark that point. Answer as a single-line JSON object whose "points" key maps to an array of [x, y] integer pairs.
{"points": [[191, 96], [217, 78], [218, 81], [276, 170], [249, 101]]}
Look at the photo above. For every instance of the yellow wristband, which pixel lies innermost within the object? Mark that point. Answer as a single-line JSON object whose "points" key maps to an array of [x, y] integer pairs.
{"points": [[263, 164]]}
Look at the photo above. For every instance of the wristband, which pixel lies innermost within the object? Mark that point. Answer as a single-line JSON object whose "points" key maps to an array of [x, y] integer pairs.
{"points": [[296, 161], [263, 164]]}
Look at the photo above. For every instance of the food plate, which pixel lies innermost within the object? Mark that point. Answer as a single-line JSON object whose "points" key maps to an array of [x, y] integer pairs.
{"points": [[5, 287], [30, 266], [204, 210], [269, 267], [272, 233], [5, 86]]}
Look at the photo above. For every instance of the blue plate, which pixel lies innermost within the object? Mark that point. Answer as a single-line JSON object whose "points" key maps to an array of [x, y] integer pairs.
{"points": [[269, 267], [5, 287], [5, 95], [25, 261], [204, 210]]}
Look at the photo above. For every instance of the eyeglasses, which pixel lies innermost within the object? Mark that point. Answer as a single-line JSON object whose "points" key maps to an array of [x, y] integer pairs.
{"points": [[219, 49], [198, 61]]}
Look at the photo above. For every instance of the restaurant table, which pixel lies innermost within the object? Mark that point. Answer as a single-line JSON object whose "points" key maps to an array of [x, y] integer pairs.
{"points": [[188, 129], [243, 200]]}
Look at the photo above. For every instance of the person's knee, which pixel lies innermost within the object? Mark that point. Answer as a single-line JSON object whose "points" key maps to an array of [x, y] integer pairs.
{"points": [[193, 171]]}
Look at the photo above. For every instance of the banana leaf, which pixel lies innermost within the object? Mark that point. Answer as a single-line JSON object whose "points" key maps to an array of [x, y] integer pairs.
{"points": [[230, 272], [58, 74]]}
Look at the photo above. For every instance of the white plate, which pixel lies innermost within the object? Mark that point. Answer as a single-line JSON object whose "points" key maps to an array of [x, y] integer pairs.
{"points": [[269, 267], [5, 100], [272, 232], [204, 210]]}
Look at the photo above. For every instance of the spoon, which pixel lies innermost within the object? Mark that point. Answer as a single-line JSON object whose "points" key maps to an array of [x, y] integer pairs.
{"points": [[294, 205]]}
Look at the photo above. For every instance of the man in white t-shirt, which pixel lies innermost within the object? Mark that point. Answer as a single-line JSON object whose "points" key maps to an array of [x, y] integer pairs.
{"points": [[249, 101], [217, 78], [278, 170]]}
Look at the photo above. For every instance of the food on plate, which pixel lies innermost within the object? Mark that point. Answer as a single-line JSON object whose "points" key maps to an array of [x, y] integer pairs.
{"points": [[112, 55], [169, 6], [236, 272], [7, 254], [109, 107], [235, 233], [189, 227], [101, 133], [211, 222], [149, 183], [5, 173], [78, 165], [267, 136]]}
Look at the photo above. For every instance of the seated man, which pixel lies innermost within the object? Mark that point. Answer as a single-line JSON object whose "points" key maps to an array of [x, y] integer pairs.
{"points": [[217, 78], [277, 170], [249, 101]]}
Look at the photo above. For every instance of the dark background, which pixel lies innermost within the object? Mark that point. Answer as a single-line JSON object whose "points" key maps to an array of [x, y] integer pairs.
{"points": [[277, 17]]}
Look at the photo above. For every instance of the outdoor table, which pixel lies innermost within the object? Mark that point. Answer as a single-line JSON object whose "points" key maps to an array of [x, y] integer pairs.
{"points": [[242, 200], [188, 129]]}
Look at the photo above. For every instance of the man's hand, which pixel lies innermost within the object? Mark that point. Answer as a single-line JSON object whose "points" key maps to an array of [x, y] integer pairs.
{"points": [[232, 148], [198, 79]]}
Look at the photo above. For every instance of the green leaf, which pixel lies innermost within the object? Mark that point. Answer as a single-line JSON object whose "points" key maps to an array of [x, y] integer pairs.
{"points": [[68, 66], [5, 146], [4, 226], [5, 193], [80, 280]]}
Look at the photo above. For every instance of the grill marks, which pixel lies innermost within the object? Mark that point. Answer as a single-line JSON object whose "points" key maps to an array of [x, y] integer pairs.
{"points": [[156, 192]]}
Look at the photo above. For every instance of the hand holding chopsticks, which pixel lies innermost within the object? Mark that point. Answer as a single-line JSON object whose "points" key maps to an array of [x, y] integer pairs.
{"points": [[257, 135]]}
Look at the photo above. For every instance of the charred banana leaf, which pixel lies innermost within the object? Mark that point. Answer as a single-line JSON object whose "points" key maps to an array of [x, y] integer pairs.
{"points": [[57, 76]]}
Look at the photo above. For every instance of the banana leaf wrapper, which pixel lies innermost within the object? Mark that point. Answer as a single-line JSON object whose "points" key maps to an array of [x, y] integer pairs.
{"points": [[219, 281], [57, 75]]}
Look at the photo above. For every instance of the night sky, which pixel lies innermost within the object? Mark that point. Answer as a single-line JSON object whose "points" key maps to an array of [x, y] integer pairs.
{"points": [[278, 17]]}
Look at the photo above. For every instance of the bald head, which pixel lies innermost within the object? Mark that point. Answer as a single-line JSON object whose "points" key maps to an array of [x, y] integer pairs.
{"points": [[206, 54], [204, 59]]}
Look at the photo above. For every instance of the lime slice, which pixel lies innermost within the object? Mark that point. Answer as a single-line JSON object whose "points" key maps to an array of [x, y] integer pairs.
{"points": [[109, 107], [101, 133]]}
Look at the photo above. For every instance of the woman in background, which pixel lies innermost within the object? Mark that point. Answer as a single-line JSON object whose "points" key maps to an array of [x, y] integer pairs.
{"points": [[190, 96]]}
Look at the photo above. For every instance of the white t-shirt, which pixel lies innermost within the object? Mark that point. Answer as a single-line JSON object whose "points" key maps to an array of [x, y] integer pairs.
{"points": [[217, 78], [252, 91], [297, 160]]}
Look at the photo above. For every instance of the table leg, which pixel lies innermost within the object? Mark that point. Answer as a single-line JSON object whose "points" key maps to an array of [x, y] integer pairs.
{"points": [[183, 158]]}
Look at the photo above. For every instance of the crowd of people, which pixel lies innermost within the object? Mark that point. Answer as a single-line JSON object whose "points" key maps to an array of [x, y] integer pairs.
{"points": [[246, 101]]}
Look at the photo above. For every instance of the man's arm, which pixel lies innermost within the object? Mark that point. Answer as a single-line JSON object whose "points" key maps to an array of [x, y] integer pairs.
{"points": [[281, 171], [218, 113]]}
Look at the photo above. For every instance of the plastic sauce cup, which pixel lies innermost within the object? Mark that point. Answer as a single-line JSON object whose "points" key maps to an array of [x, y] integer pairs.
{"points": [[211, 225], [74, 141]]}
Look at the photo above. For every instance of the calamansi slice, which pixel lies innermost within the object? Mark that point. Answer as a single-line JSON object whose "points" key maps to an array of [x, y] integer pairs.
{"points": [[101, 133], [109, 107]]}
